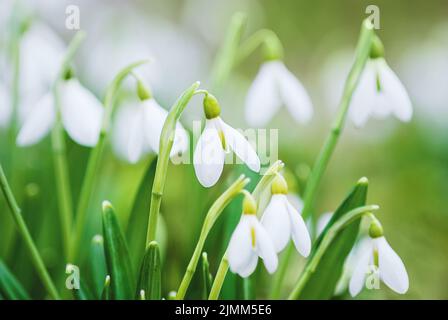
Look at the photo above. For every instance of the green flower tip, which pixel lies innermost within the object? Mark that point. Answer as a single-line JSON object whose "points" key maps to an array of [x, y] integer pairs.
{"points": [[152, 245], [143, 91], [376, 229], [204, 256], [107, 205], [363, 181], [273, 48], [107, 281], [279, 185], [97, 239], [377, 49], [172, 295], [142, 295], [249, 204], [211, 106]]}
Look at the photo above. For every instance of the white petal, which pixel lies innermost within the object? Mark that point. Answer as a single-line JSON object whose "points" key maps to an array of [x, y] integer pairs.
{"points": [[38, 123], [299, 232], [240, 250], [323, 221], [209, 155], [250, 266], [293, 93], [5, 107], [364, 96], [81, 113], [276, 221], [128, 137], [395, 92], [265, 247], [262, 100], [360, 270], [392, 270], [181, 141], [242, 148]]}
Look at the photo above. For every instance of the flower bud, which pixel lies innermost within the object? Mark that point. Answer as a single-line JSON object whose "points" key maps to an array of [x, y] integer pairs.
{"points": [[375, 229], [273, 49], [211, 106], [377, 48], [249, 204], [279, 185], [143, 92]]}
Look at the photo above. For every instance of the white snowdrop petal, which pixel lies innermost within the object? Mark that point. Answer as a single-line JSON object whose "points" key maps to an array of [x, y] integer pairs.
{"points": [[81, 113], [5, 107], [209, 155], [250, 267], [395, 92], [299, 231], [265, 247], [364, 96], [240, 250], [276, 221], [262, 101], [181, 141], [323, 221], [360, 270], [242, 148], [154, 119], [39, 122], [294, 95], [392, 270]]}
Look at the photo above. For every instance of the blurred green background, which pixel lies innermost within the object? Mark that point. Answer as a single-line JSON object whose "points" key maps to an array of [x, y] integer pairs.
{"points": [[406, 163]]}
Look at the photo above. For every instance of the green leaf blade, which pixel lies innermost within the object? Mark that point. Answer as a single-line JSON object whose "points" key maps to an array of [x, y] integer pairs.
{"points": [[10, 287], [150, 273]]}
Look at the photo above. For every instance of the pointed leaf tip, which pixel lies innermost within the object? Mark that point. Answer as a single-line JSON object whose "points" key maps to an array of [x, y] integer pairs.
{"points": [[363, 181]]}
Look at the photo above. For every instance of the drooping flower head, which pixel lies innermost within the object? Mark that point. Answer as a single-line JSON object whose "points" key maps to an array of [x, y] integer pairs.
{"points": [[138, 127], [81, 113], [283, 222], [249, 241], [273, 87], [379, 93], [217, 139], [380, 258]]}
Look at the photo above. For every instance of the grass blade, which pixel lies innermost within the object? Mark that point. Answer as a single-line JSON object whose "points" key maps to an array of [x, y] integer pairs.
{"points": [[207, 278], [10, 287], [150, 273]]}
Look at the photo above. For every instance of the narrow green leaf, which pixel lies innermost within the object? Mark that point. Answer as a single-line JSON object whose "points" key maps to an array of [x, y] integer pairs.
{"points": [[106, 294], [323, 282], [138, 220], [118, 260], [97, 264], [207, 278], [10, 287], [150, 273]]}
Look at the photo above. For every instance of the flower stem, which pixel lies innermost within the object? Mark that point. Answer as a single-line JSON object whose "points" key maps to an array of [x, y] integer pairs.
{"points": [[362, 54], [219, 279], [325, 243], [59, 151], [210, 219], [166, 142], [24, 232], [95, 157]]}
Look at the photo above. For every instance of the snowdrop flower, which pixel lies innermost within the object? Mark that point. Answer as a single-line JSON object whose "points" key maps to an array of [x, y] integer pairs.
{"points": [[81, 113], [283, 222], [379, 93], [379, 253], [5, 107], [217, 139], [322, 222], [249, 241], [273, 86], [138, 128]]}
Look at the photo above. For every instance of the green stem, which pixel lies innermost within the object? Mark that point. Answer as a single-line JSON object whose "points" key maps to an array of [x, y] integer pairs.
{"points": [[60, 153], [226, 57], [219, 279], [272, 45], [95, 157], [166, 142], [24, 232], [210, 219], [281, 273], [337, 227], [362, 54]]}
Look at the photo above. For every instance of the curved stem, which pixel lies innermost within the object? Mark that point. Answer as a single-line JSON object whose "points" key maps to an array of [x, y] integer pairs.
{"points": [[361, 56], [24, 232], [210, 219], [95, 157], [337, 227], [166, 142], [265, 37]]}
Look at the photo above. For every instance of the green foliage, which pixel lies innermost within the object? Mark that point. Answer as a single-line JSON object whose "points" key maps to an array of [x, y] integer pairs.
{"points": [[207, 278], [150, 273], [10, 287]]}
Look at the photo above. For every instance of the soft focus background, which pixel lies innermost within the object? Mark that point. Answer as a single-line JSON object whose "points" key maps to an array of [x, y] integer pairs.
{"points": [[406, 163]]}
